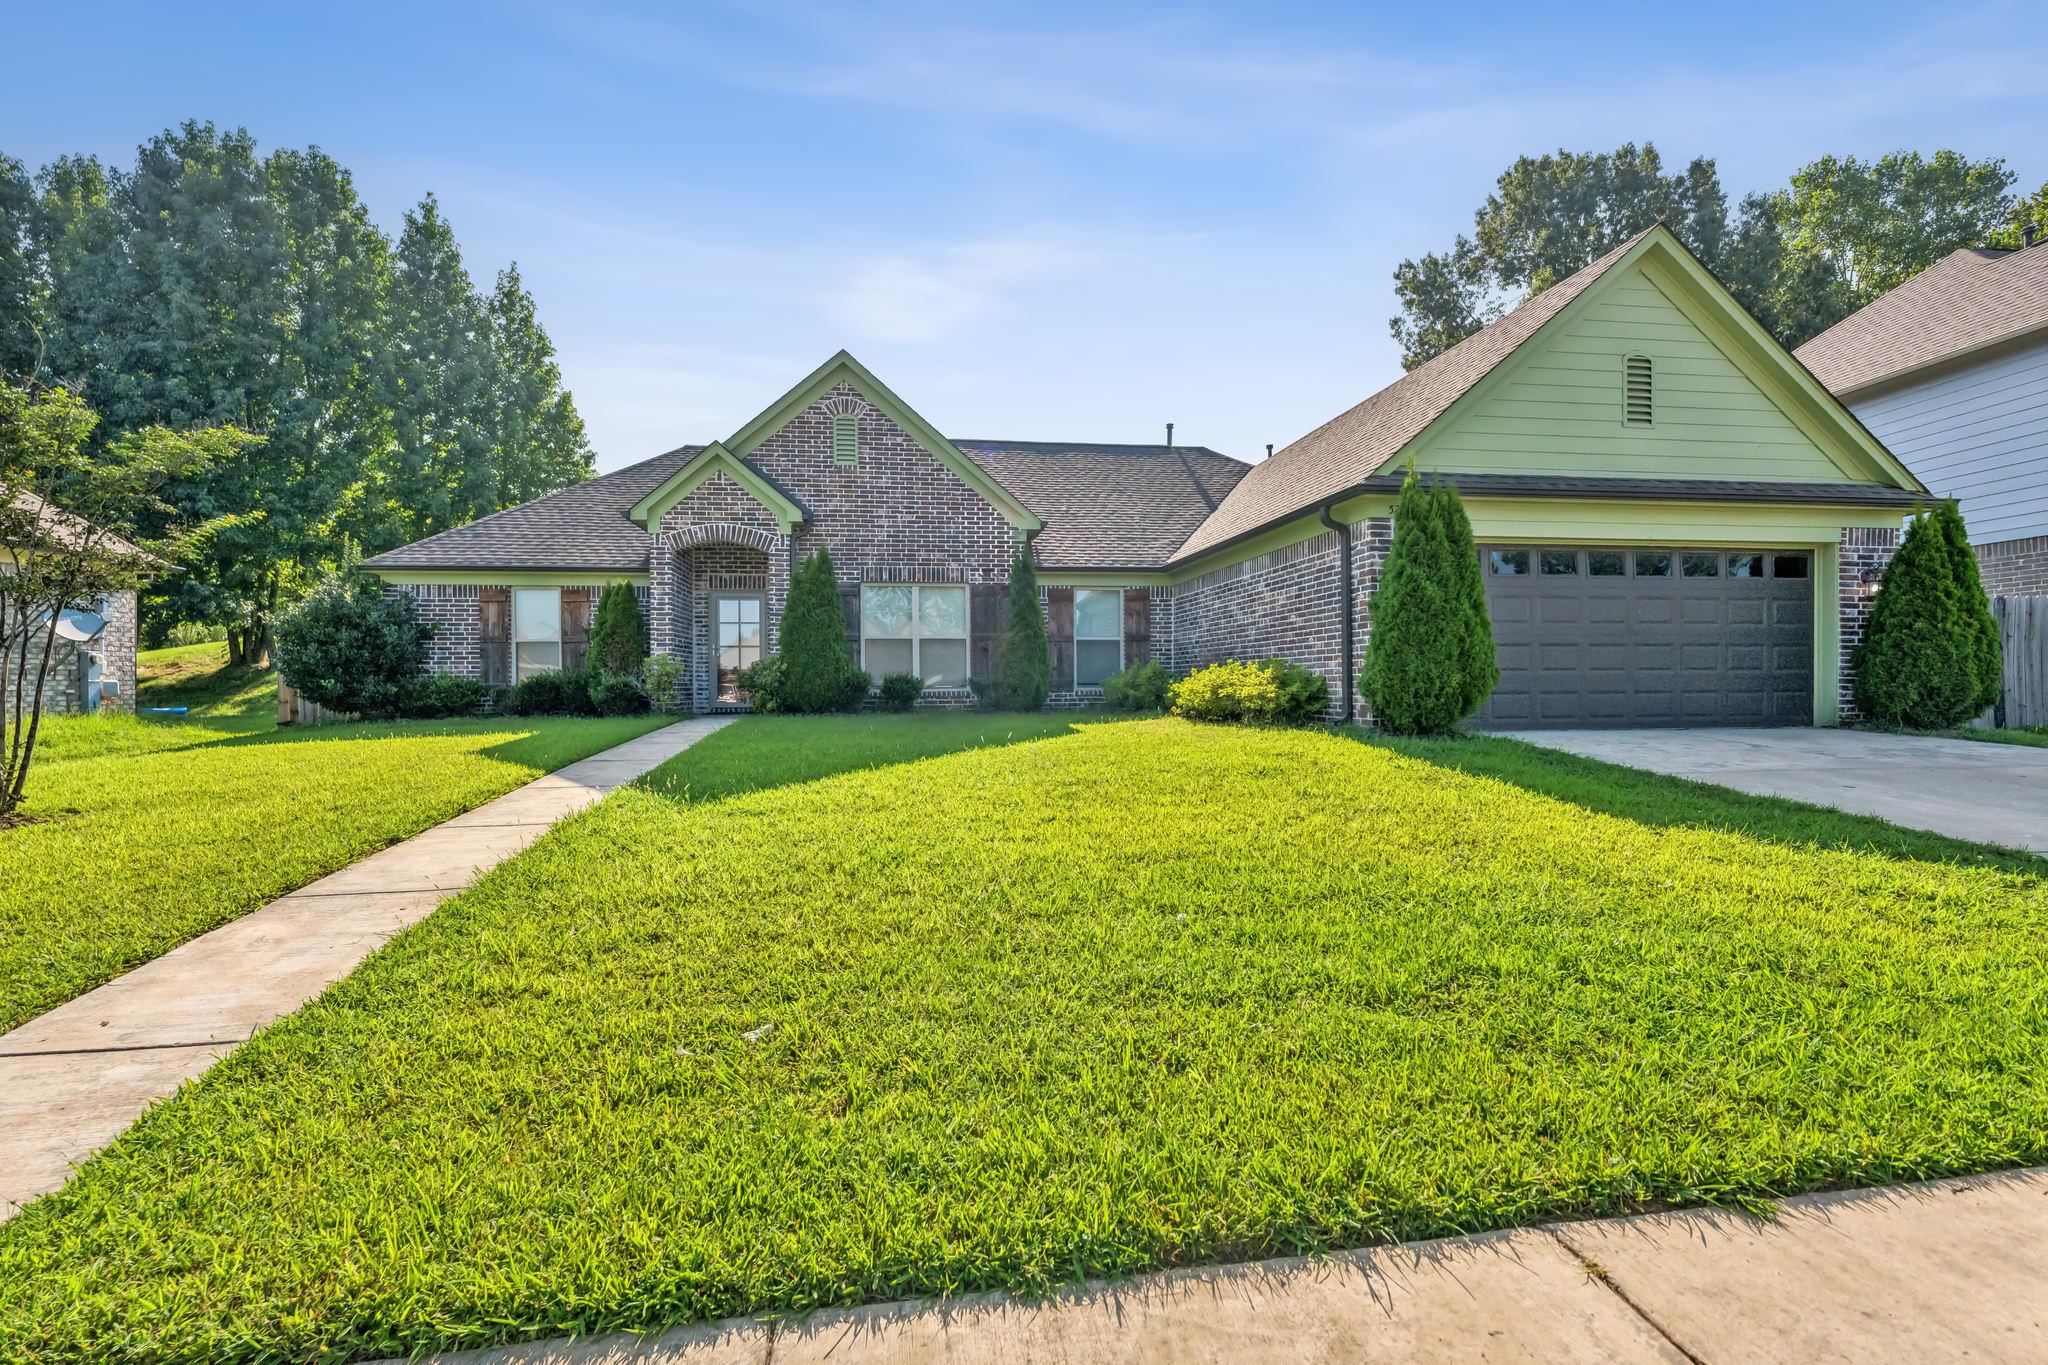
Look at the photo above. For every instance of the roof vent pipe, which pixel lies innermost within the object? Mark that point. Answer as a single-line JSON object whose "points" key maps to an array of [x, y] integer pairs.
{"points": [[2029, 235], [1269, 450], [1169, 436]]}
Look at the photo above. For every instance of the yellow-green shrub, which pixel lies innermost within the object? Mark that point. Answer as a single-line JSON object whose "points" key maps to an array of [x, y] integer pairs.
{"points": [[1273, 690]]}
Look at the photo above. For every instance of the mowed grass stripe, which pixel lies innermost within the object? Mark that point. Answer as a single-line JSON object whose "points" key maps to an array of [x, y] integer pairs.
{"points": [[1139, 995]]}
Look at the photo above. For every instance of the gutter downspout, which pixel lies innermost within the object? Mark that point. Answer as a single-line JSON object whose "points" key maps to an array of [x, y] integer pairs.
{"points": [[1350, 607]]}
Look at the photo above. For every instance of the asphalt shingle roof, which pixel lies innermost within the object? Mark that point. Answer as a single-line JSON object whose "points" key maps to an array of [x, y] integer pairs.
{"points": [[1110, 506], [584, 526], [1967, 299], [1355, 443]]}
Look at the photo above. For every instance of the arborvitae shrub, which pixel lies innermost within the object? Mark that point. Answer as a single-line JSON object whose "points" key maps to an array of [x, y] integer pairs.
{"points": [[817, 672], [618, 632], [1929, 657], [1429, 660], [1023, 672]]}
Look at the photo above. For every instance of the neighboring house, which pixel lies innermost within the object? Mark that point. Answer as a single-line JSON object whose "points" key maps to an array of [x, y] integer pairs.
{"points": [[1950, 371], [92, 661], [1679, 526]]}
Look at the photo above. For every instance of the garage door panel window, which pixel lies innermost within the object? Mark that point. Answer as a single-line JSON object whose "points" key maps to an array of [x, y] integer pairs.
{"points": [[1788, 566], [1745, 566], [1606, 563], [1700, 565], [1509, 563], [1559, 562], [1098, 635], [1653, 564], [917, 629]]}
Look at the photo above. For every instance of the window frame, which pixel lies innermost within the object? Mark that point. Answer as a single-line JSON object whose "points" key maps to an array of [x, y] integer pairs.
{"points": [[519, 672], [915, 636], [1079, 638]]}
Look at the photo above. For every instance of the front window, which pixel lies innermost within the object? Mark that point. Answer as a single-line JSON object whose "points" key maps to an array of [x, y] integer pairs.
{"points": [[1098, 635], [912, 628], [536, 631]]}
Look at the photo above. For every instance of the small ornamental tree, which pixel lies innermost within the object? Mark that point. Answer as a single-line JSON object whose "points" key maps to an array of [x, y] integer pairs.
{"points": [[1023, 672], [1976, 604], [817, 672], [1926, 662], [1429, 660], [618, 632], [351, 646]]}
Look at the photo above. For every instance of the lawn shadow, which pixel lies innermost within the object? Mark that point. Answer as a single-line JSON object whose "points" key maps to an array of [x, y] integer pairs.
{"points": [[1680, 803], [762, 752]]}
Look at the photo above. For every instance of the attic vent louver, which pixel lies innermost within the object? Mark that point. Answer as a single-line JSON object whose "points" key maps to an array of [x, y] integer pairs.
{"points": [[846, 439], [1636, 401]]}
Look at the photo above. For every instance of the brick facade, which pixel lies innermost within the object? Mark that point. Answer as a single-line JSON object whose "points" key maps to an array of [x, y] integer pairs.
{"points": [[2014, 568], [1865, 553], [63, 688]]}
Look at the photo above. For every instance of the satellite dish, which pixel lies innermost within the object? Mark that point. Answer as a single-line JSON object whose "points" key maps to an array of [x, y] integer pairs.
{"points": [[80, 625]]}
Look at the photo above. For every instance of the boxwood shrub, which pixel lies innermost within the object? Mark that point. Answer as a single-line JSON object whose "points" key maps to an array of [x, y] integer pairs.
{"points": [[1141, 687], [900, 691], [1268, 691]]}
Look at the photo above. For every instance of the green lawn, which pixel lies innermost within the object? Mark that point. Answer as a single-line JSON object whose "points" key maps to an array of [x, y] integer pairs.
{"points": [[145, 832], [2034, 736], [1137, 994]]}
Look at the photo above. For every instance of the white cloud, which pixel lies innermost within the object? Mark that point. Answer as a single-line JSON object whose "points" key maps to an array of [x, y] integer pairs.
{"points": [[905, 298]]}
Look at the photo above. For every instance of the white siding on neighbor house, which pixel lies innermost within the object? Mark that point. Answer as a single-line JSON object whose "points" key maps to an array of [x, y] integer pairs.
{"points": [[1979, 434]]}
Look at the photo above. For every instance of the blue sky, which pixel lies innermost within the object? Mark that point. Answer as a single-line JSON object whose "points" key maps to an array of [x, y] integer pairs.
{"points": [[1044, 221]]}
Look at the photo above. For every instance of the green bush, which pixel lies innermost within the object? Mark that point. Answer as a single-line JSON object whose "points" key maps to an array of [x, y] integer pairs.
{"points": [[762, 684], [1023, 666], [817, 672], [1929, 658], [560, 692], [1141, 687], [618, 632], [617, 694], [351, 646], [662, 677], [900, 691], [1429, 660], [435, 696], [1269, 691]]}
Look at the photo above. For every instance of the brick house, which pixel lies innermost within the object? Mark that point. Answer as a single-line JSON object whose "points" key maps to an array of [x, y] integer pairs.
{"points": [[1677, 524], [91, 663]]}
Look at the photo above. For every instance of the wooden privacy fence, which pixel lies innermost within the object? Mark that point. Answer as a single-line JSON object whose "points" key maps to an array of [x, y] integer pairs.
{"points": [[293, 709], [2023, 630]]}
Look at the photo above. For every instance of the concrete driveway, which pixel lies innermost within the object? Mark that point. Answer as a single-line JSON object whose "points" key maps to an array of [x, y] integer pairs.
{"points": [[1990, 793]]}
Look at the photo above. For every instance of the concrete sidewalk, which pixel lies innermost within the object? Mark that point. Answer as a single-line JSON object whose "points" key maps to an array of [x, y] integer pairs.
{"points": [[72, 1080], [1953, 1270]]}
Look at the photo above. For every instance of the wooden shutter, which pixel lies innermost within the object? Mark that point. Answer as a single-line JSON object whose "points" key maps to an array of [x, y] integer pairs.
{"points": [[849, 606], [576, 626], [494, 635], [1059, 630], [988, 607], [1137, 626]]}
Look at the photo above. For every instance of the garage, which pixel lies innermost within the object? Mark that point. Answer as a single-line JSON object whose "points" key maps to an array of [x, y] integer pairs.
{"points": [[1611, 636]]}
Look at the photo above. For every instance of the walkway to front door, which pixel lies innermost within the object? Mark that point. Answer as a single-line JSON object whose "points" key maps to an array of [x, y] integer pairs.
{"points": [[735, 641]]}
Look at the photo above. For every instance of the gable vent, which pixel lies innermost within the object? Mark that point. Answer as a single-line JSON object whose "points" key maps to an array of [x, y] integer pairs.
{"points": [[1636, 402], [846, 439]]}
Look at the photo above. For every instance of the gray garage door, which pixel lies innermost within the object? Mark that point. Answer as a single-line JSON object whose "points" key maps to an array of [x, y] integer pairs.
{"points": [[1627, 636]]}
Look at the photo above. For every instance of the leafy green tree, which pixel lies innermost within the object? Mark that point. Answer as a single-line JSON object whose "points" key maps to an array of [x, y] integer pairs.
{"points": [[538, 443], [1429, 658], [1876, 224], [818, 673], [1547, 218], [68, 512], [352, 646], [77, 237], [1987, 654], [2030, 211], [1921, 663], [618, 632], [436, 384], [1023, 657], [20, 292]]}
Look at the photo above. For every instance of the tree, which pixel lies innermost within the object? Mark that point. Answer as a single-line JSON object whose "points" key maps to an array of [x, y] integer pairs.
{"points": [[2030, 211], [1922, 661], [618, 632], [351, 645], [537, 436], [1429, 659], [19, 287], [1987, 654], [436, 384], [1548, 218], [1023, 673], [66, 508], [1877, 224], [818, 673]]}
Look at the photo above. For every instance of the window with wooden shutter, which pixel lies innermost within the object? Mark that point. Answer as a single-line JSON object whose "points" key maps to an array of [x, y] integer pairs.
{"points": [[988, 610], [1637, 396], [494, 635], [846, 439], [576, 613], [1137, 627]]}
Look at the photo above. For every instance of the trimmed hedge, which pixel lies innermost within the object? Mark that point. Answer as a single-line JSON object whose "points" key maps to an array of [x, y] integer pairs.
{"points": [[1269, 691], [1141, 687], [900, 691], [437, 696]]}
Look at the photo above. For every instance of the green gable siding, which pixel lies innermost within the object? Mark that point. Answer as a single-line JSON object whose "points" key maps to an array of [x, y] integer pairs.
{"points": [[1557, 406]]}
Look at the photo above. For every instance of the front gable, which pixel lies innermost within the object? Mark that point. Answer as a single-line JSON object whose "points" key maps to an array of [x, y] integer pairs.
{"points": [[1724, 401], [716, 466]]}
